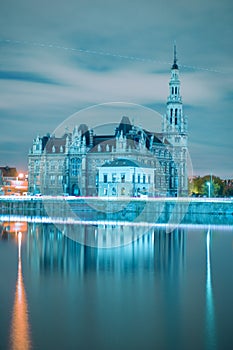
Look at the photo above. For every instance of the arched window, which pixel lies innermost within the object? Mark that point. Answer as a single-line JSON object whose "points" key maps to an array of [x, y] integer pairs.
{"points": [[176, 112], [175, 90], [172, 90], [171, 112]]}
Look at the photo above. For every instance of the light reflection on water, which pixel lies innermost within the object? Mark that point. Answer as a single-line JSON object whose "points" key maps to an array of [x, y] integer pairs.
{"points": [[19, 335], [210, 313], [145, 294]]}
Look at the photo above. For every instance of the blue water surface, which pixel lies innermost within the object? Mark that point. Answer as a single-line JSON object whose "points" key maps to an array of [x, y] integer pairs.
{"points": [[161, 291]]}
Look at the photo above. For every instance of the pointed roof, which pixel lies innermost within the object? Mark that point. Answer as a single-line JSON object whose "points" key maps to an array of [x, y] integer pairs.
{"points": [[125, 125], [175, 65]]}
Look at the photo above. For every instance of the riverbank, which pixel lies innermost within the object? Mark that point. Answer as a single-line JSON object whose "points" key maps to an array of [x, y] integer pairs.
{"points": [[151, 210]]}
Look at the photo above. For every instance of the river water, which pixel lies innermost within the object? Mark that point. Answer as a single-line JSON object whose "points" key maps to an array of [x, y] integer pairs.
{"points": [[160, 291]]}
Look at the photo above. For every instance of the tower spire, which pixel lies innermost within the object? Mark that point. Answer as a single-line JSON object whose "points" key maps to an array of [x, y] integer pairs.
{"points": [[175, 66]]}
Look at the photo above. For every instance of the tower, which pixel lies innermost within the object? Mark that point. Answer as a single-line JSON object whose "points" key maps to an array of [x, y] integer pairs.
{"points": [[174, 121], [175, 132]]}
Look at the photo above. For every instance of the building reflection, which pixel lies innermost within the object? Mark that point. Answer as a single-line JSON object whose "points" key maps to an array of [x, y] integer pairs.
{"points": [[49, 250], [20, 336]]}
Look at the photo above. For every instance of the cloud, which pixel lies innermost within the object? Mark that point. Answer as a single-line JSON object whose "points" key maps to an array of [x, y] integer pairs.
{"points": [[25, 76]]}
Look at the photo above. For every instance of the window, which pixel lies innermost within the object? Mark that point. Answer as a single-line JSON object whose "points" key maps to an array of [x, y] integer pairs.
{"points": [[52, 165], [113, 191], [74, 167], [122, 177], [105, 178], [123, 191], [60, 178], [105, 191], [133, 178], [144, 179], [96, 179], [175, 90], [172, 90], [37, 167], [52, 180], [171, 112], [114, 177], [60, 165], [139, 178], [176, 112], [175, 120], [148, 179]]}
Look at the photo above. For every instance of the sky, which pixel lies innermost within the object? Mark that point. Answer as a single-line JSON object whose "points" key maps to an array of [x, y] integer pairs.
{"points": [[58, 58]]}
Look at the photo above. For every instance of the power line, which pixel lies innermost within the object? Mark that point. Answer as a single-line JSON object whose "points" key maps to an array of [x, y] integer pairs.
{"points": [[103, 53]]}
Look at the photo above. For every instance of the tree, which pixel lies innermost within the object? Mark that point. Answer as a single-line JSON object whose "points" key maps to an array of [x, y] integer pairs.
{"points": [[228, 188], [200, 187]]}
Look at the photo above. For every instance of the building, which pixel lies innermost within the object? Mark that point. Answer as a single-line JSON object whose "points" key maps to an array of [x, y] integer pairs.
{"points": [[12, 182], [124, 177], [131, 161]]}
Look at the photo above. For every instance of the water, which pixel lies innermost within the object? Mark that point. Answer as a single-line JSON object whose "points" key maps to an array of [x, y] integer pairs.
{"points": [[163, 291]]}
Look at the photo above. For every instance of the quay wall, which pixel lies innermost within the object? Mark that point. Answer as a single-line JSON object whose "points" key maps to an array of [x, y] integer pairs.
{"points": [[164, 210]]}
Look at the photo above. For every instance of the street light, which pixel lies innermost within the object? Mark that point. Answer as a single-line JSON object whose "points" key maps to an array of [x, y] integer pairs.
{"points": [[208, 184]]}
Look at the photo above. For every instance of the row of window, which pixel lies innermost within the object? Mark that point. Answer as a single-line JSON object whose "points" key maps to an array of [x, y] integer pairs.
{"points": [[138, 179], [175, 112], [163, 154], [113, 191], [53, 165], [56, 180], [175, 90]]}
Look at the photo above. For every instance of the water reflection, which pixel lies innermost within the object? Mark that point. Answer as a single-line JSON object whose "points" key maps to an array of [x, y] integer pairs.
{"points": [[144, 290], [8, 229], [50, 250], [20, 336], [210, 313]]}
